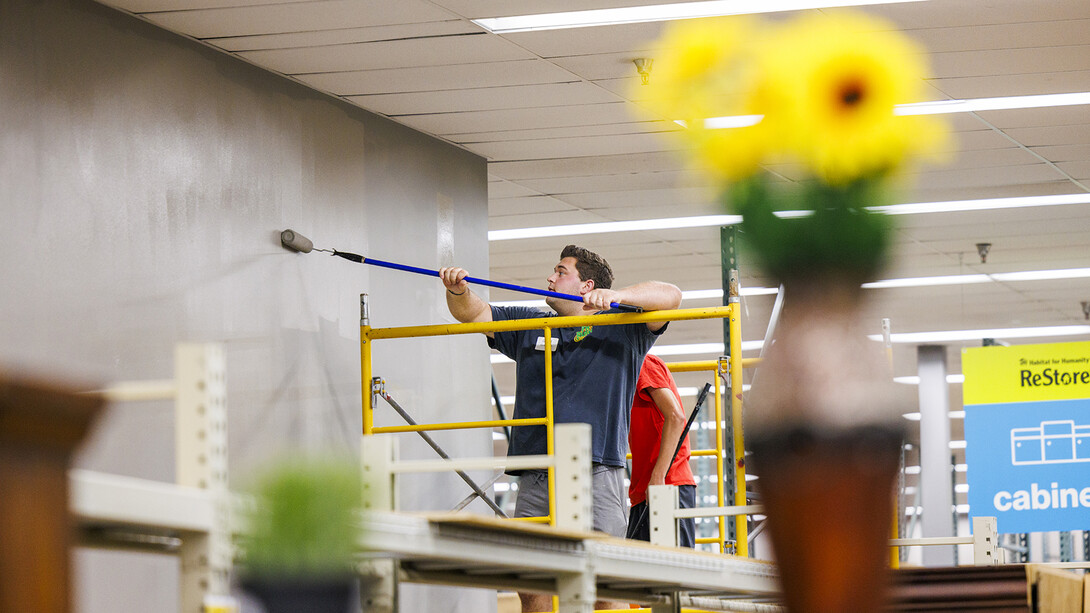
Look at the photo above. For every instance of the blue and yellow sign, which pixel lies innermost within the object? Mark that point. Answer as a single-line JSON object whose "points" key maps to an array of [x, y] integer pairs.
{"points": [[1027, 433]]}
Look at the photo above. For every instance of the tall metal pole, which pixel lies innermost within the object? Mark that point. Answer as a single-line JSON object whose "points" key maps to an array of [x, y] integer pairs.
{"points": [[936, 487]]}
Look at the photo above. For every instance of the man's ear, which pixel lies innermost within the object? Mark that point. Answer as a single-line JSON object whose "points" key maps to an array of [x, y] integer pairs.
{"points": [[588, 285]]}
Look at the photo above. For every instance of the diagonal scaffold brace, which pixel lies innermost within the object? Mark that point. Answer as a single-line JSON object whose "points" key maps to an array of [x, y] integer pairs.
{"points": [[379, 390]]}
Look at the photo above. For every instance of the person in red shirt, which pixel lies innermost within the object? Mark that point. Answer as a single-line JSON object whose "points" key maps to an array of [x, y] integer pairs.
{"points": [[657, 423]]}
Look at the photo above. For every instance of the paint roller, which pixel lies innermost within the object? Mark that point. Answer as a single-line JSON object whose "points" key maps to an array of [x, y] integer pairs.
{"points": [[297, 242]]}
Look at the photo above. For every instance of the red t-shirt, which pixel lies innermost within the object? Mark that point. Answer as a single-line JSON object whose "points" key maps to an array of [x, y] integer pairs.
{"points": [[645, 432]]}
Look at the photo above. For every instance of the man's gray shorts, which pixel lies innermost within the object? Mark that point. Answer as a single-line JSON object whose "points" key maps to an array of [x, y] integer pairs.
{"points": [[607, 487]]}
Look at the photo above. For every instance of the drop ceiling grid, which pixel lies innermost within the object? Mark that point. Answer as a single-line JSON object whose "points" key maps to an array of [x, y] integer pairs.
{"points": [[1033, 221], [437, 78], [1000, 62], [411, 53], [476, 9], [634, 40], [152, 6], [569, 147], [294, 17], [502, 207], [1041, 81], [454, 123], [341, 36], [484, 99], [588, 166], [1023, 35], [921, 15]]}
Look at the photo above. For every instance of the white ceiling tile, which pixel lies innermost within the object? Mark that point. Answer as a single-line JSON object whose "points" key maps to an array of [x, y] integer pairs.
{"points": [[955, 64], [388, 54], [317, 38], [522, 206], [545, 133], [534, 220], [919, 191], [1003, 36], [1033, 118], [998, 84], [148, 6], [485, 99], [993, 176], [1063, 153], [499, 189], [633, 178], [296, 17], [448, 124], [570, 147], [438, 78], [589, 166], [633, 38], [1052, 135], [917, 15], [475, 9], [1078, 170]]}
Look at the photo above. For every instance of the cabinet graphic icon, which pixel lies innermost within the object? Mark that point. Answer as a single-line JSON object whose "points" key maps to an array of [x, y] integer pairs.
{"points": [[1053, 442]]}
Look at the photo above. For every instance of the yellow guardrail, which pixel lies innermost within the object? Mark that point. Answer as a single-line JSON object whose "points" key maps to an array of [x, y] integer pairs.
{"points": [[719, 368]]}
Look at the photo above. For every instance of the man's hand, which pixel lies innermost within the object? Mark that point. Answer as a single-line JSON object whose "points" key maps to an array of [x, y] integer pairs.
{"points": [[454, 279], [657, 477], [463, 304], [598, 299]]}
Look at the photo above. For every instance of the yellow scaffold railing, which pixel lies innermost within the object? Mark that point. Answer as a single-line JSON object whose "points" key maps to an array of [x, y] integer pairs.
{"points": [[731, 366]]}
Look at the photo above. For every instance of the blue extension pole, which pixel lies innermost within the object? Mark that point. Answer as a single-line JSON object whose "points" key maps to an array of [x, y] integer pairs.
{"points": [[518, 288]]}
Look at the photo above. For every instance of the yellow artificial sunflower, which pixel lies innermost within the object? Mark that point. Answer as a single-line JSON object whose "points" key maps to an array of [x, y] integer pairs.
{"points": [[845, 73], [707, 70]]}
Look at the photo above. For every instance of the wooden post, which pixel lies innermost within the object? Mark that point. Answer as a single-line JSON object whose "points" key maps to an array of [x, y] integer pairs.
{"points": [[41, 425]]}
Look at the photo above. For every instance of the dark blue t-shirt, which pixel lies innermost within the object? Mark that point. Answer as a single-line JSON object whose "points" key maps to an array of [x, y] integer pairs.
{"points": [[595, 369]]}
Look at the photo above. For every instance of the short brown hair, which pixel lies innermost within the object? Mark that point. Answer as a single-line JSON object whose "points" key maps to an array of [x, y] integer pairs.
{"points": [[590, 265]]}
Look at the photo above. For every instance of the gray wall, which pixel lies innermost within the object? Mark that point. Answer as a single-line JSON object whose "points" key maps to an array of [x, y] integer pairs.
{"points": [[143, 182]]}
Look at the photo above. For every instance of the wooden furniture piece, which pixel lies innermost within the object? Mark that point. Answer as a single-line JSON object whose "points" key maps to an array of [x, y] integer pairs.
{"points": [[41, 424]]}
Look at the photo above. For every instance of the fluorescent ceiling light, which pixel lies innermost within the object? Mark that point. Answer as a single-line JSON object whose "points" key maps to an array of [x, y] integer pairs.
{"points": [[1026, 275], [992, 104], [735, 121], [698, 221], [928, 281], [986, 204], [975, 335], [658, 12], [951, 415], [915, 380], [936, 107]]}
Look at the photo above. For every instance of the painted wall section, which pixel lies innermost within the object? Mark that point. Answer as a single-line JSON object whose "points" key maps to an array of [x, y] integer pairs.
{"points": [[144, 180]]}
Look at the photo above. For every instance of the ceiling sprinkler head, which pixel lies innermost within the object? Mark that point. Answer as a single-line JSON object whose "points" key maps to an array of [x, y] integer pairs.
{"points": [[643, 66], [983, 249]]}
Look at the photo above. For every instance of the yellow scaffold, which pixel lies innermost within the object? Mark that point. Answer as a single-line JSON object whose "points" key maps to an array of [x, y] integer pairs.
{"points": [[729, 368]]}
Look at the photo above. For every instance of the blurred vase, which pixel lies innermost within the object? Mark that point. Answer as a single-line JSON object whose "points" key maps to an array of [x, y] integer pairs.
{"points": [[826, 436]]}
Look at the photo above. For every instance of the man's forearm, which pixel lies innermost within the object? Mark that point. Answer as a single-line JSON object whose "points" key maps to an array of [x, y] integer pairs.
{"points": [[468, 307], [651, 295]]}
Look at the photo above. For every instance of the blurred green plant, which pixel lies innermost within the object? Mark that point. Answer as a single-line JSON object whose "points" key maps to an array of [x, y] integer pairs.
{"points": [[305, 521]]}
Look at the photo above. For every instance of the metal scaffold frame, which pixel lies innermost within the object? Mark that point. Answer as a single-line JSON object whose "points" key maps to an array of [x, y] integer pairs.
{"points": [[380, 464], [732, 367]]}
